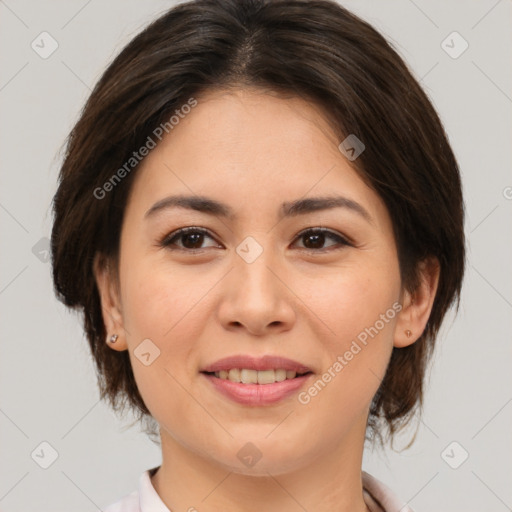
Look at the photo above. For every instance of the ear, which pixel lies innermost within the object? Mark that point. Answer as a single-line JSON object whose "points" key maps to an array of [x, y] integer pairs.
{"points": [[416, 306], [108, 288]]}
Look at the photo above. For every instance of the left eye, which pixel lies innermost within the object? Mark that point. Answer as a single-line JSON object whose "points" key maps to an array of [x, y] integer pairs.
{"points": [[192, 239], [317, 238]]}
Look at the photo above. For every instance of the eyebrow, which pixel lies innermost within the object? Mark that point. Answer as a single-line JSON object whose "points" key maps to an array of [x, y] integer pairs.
{"points": [[213, 207]]}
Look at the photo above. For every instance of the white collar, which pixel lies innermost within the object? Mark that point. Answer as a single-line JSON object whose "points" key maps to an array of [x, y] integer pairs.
{"points": [[383, 495], [149, 500], [380, 494]]}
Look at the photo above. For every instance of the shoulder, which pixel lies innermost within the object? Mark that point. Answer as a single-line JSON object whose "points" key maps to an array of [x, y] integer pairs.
{"points": [[143, 499], [128, 503], [380, 498]]}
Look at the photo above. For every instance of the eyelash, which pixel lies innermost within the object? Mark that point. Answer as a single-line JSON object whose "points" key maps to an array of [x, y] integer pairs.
{"points": [[167, 241]]}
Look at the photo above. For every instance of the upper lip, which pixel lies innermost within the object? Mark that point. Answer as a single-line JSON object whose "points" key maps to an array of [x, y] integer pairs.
{"points": [[267, 362]]}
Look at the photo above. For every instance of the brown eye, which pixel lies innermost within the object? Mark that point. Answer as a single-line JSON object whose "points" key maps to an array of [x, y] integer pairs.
{"points": [[190, 239], [314, 239]]}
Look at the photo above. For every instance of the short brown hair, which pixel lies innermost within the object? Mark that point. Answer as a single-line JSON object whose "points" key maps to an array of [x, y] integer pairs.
{"points": [[316, 50]]}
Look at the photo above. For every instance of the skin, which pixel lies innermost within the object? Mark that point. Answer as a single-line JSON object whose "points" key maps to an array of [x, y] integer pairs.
{"points": [[253, 150]]}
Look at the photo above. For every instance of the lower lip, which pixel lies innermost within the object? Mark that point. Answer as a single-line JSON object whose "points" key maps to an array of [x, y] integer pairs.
{"points": [[257, 394]]}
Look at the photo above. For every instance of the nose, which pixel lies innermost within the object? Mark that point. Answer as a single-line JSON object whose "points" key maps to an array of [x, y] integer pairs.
{"points": [[256, 297]]}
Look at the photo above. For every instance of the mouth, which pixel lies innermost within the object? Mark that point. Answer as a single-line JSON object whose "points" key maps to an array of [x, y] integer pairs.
{"points": [[263, 377], [256, 381]]}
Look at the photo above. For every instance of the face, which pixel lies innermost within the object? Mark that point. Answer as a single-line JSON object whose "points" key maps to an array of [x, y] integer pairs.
{"points": [[317, 286]]}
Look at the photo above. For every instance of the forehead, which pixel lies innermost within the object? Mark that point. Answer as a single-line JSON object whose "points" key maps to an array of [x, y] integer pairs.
{"points": [[251, 117], [252, 147], [247, 129]]}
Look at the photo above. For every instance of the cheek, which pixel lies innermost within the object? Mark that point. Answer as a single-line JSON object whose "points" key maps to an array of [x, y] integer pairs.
{"points": [[354, 298], [355, 360], [157, 298], [164, 307], [360, 308], [159, 304]]}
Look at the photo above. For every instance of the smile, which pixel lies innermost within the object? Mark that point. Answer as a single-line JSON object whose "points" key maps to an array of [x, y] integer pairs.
{"points": [[248, 376], [267, 392]]}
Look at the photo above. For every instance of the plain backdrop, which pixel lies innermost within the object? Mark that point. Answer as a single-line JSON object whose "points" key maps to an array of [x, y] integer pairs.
{"points": [[461, 460]]}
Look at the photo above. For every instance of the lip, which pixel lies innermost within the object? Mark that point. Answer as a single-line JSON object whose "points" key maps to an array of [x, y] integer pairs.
{"points": [[257, 394], [266, 362]]}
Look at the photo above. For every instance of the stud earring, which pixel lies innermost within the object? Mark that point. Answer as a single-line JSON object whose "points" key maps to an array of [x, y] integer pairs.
{"points": [[408, 333], [113, 338]]}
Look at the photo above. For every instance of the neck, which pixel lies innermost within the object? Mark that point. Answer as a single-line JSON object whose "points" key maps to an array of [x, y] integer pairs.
{"points": [[331, 482]]}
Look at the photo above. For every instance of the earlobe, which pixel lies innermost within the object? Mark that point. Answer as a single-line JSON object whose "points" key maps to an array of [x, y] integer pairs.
{"points": [[108, 290], [417, 306]]}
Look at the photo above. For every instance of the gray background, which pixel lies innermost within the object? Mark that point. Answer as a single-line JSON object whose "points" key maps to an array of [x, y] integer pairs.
{"points": [[48, 387]]}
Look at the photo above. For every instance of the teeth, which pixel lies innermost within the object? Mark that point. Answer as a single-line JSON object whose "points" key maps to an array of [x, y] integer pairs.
{"points": [[280, 375], [234, 375], [266, 377], [249, 376], [246, 376]]}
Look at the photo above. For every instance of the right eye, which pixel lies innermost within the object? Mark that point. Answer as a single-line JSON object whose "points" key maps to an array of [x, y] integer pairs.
{"points": [[191, 239]]}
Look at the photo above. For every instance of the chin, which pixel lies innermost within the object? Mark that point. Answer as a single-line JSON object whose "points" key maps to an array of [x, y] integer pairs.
{"points": [[263, 456]]}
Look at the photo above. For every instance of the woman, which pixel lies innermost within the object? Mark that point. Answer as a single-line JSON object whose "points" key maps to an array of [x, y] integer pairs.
{"points": [[261, 218]]}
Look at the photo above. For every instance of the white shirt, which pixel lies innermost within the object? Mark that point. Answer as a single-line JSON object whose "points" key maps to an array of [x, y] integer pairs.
{"points": [[377, 496]]}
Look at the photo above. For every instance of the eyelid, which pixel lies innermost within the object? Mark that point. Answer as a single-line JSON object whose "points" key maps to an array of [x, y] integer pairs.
{"points": [[194, 229], [343, 240]]}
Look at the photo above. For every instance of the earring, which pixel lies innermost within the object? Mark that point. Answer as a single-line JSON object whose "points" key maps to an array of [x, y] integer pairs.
{"points": [[408, 333], [113, 338]]}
